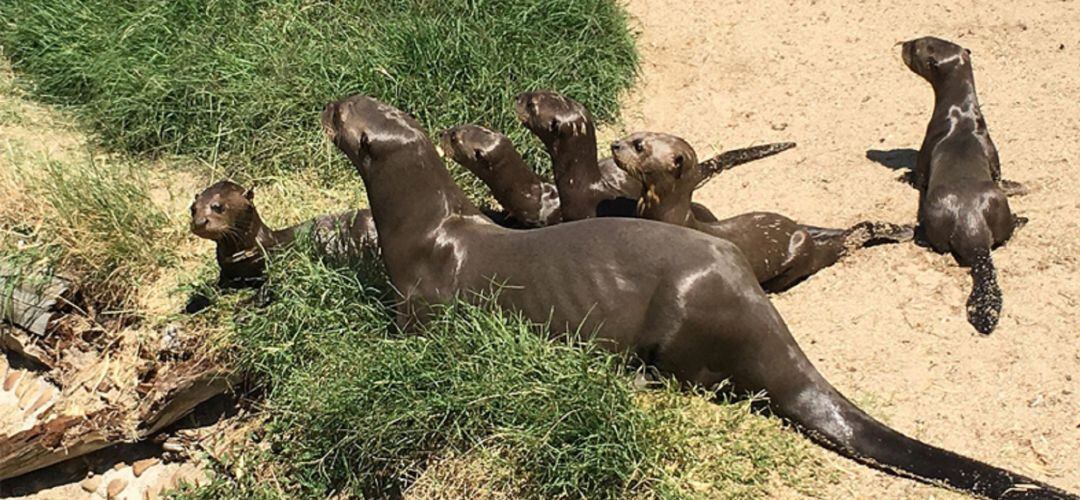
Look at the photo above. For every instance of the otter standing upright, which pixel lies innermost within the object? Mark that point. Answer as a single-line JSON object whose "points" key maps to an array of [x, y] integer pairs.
{"points": [[962, 208], [681, 301], [587, 187], [526, 196]]}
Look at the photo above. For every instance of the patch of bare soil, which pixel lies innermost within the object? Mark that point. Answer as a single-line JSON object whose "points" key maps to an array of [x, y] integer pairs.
{"points": [[887, 325]]}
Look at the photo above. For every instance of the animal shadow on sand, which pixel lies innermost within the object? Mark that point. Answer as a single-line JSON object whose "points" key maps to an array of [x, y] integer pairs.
{"points": [[897, 159]]}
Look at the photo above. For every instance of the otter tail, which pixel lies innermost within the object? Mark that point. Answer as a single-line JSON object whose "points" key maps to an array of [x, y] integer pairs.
{"points": [[728, 159], [984, 303], [833, 421]]}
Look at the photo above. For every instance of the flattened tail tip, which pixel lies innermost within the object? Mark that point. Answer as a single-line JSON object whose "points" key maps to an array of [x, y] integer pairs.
{"points": [[984, 303]]}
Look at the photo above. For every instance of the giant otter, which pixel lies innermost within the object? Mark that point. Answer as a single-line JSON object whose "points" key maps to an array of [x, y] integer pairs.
{"points": [[682, 301], [526, 196], [225, 213], [587, 188], [781, 251], [962, 208]]}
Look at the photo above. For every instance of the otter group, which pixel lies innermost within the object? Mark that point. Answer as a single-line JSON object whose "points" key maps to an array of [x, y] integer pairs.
{"points": [[663, 279]]}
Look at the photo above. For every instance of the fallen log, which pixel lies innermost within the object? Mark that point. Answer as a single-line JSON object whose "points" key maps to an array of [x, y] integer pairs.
{"points": [[61, 437]]}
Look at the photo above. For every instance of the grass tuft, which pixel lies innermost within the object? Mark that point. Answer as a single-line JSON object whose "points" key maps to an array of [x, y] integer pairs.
{"points": [[242, 83], [93, 219], [354, 408]]}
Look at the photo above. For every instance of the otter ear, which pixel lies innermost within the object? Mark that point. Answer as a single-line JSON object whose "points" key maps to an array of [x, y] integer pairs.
{"points": [[478, 154], [250, 193], [554, 125], [932, 62]]}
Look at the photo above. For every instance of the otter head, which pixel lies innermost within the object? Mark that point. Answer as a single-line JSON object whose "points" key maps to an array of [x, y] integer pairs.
{"points": [[475, 148], [933, 58], [551, 116], [224, 209], [663, 163], [367, 130]]}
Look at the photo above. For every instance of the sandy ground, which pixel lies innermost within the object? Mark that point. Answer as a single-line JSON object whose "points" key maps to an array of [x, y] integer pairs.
{"points": [[887, 326]]}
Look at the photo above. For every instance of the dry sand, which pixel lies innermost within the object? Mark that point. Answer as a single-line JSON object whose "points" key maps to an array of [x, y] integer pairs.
{"points": [[887, 325]]}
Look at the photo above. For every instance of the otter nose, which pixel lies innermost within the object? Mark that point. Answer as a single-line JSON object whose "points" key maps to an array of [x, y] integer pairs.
{"points": [[200, 222]]}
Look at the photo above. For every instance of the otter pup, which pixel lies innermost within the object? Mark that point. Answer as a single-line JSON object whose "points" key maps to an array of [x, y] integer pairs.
{"points": [[528, 198], [225, 214], [962, 208], [587, 188], [781, 251], [683, 302]]}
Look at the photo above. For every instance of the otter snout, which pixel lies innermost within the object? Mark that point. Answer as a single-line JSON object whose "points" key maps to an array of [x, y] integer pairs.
{"points": [[329, 113], [907, 52], [622, 155], [521, 105], [447, 140], [200, 228]]}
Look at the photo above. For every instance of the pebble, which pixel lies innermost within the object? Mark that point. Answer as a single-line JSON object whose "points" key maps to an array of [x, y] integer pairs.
{"points": [[139, 467], [116, 486], [91, 484]]}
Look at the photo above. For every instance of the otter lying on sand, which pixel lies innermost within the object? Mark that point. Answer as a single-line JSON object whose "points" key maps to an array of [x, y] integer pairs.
{"points": [[781, 251]]}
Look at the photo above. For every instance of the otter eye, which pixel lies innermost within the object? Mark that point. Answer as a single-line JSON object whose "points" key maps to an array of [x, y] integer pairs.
{"points": [[639, 146], [217, 208]]}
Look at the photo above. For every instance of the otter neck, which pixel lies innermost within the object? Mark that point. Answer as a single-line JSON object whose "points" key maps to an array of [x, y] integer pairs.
{"points": [[253, 238], [955, 88], [411, 195], [513, 184], [671, 207], [574, 163]]}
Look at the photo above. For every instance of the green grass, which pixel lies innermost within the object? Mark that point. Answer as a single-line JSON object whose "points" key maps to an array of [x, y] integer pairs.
{"points": [[354, 408], [91, 218], [242, 82]]}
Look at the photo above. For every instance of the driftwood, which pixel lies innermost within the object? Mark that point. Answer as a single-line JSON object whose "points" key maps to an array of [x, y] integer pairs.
{"points": [[170, 397], [31, 301]]}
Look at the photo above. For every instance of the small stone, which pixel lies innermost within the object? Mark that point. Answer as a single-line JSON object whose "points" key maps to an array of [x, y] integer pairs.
{"points": [[28, 396], [91, 484], [116, 486], [12, 377], [24, 385], [140, 466], [46, 395], [150, 494], [119, 465]]}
